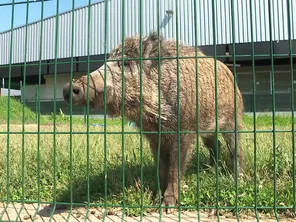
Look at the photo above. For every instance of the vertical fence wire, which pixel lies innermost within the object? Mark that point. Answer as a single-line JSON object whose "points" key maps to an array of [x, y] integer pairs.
{"points": [[38, 110], [270, 17], [290, 25], [23, 89], [159, 111], [8, 117], [233, 27], [282, 15], [88, 107], [71, 111], [178, 108], [54, 107], [197, 108], [106, 23], [254, 108], [141, 106], [123, 108], [216, 107]]}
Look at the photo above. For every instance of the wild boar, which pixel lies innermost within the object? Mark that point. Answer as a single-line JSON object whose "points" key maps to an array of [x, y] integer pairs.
{"points": [[160, 78]]}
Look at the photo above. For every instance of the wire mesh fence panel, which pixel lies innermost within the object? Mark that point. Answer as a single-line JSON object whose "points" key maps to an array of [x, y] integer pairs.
{"points": [[147, 110]]}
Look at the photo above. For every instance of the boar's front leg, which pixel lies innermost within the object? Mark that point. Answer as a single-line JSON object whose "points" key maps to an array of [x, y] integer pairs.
{"points": [[163, 160], [170, 197]]}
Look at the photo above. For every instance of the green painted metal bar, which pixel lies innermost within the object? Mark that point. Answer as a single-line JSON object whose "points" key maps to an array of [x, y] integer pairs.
{"points": [[200, 21], [216, 109], [23, 2], [159, 58], [278, 13], [292, 6], [88, 108], [23, 90], [141, 108], [145, 132], [221, 22], [290, 25], [264, 17], [235, 17], [255, 21], [38, 147], [270, 17], [84, 114], [39, 108], [233, 27], [178, 107], [271, 21], [105, 110], [254, 111], [36, 103], [287, 207], [137, 59], [245, 29], [208, 9], [8, 116], [250, 32], [54, 108], [197, 108], [71, 112], [123, 6]]}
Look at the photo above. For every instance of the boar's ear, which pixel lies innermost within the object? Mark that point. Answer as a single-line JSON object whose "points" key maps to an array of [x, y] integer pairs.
{"points": [[150, 49]]}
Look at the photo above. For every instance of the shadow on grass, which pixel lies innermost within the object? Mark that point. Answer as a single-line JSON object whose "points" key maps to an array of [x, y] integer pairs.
{"points": [[96, 189]]}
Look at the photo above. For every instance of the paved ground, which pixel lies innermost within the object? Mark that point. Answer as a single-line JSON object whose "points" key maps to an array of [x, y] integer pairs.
{"points": [[30, 212]]}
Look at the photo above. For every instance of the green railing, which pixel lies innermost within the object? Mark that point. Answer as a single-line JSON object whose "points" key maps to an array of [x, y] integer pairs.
{"points": [[108, 168]]}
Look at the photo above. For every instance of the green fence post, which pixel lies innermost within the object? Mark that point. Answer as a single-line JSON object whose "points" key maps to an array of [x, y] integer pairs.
{"points": [[197, 108], [290, 25], [84, 115], [105, 106], [56, 53], [71, 112], [159, 110], [36, 102], [123, 2], [8, 154]]}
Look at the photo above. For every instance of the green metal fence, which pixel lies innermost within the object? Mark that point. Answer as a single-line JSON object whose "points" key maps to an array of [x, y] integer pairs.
{"points": [[108, 169]]}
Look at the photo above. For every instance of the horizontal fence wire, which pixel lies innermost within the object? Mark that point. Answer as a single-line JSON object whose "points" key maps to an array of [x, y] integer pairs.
{"points": [[62, 156]]}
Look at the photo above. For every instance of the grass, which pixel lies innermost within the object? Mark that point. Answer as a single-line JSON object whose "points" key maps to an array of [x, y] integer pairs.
{"points": [[34, 175], [15, 111], [17, 116]]}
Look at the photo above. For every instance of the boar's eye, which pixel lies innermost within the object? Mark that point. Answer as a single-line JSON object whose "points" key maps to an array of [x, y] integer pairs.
{"points": [[126, 63]]}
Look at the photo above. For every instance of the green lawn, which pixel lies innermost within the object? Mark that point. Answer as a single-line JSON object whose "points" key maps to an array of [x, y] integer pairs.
{"points": [[43, 165]]}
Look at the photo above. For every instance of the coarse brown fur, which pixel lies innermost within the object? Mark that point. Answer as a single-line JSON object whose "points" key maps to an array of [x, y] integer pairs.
{"points": [[169, 97]]}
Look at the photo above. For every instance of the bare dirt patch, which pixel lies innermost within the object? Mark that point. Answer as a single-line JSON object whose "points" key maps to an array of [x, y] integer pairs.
{"points": [[33, 212]]}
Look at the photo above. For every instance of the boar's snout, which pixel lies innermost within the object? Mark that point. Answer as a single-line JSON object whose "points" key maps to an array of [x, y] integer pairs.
{"points": [[77, 93]]}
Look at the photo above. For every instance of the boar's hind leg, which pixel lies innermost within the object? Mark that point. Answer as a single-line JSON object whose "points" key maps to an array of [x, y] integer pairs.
{"points": [[211, 144], [171, 194], [231, 144]]}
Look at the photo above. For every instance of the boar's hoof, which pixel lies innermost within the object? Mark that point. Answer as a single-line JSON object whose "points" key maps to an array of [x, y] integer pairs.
{"points": [[169, 201]]}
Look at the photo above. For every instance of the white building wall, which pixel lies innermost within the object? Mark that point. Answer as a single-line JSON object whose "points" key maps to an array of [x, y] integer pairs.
{"points": [[46, 92]]}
